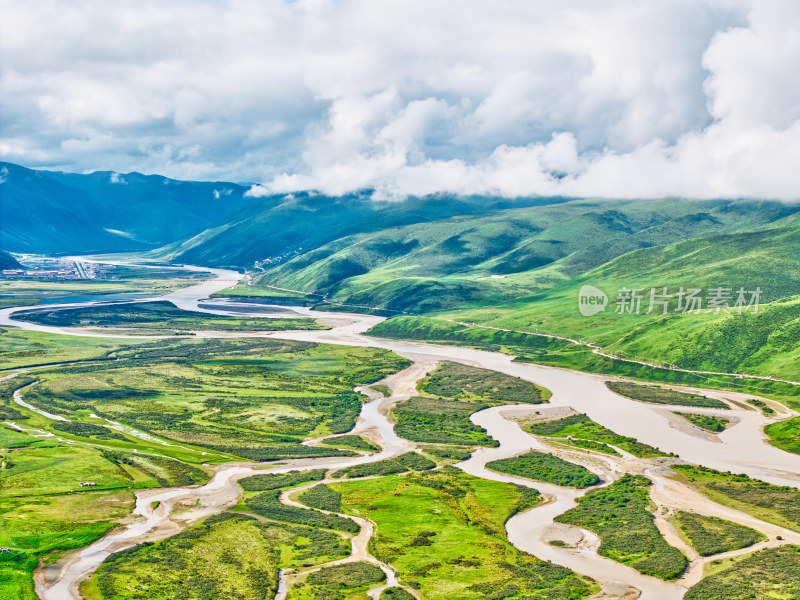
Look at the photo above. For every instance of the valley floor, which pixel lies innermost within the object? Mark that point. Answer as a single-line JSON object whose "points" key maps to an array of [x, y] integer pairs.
{"points": [[426, 517]]}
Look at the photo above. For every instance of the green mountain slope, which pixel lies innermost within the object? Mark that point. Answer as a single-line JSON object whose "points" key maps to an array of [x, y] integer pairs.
{"points": [[505, 255], [763, 343], [281, 227]]}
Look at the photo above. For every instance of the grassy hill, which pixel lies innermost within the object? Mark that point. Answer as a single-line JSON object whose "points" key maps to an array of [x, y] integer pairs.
{"points": [[763, 343], [505, 255]]}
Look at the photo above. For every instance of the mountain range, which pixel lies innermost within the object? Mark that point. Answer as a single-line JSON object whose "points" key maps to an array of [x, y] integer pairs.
{"points": [[516, 263]]}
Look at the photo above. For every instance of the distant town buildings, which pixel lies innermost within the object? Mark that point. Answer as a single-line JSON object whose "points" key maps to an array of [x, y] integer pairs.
{"points": [[56, 269]]}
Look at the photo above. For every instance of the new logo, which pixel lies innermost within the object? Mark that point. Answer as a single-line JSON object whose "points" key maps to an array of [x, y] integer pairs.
{"points": [[591, 300]]}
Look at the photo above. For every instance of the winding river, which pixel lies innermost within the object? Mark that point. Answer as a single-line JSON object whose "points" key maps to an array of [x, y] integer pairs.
{"points": [[741, 448]]}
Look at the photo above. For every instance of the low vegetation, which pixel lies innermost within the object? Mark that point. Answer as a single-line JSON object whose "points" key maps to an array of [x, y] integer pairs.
{"points": [[156, 316], [339, 582], [707, 422], [351, 442], [440, 421], [590, 445], [454, 380], [396, 593], [581, 427], [769, 574], [322, 497], [548, 468], [765, 408], [772, 503], [253, 398], [410, 461], [227, 556], [268, 504], [276, 481], [619, 515], [785, 434], [710, 535], [89, 430], [444, 532], [33, 527], [660, 395]]}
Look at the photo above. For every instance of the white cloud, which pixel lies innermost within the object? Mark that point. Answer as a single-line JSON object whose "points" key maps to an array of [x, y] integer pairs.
{"points": [[619, 98]]}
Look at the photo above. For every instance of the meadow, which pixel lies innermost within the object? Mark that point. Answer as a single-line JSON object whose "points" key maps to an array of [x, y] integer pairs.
{"points": [[254, 399], [159, 316], [620, 515], [711, 535], [455, 380], [226, 556], [444, 532], [770, 574], [577, 428], [711, 423], [660, 395], [410, 461], [772, 503], [546, 467]]}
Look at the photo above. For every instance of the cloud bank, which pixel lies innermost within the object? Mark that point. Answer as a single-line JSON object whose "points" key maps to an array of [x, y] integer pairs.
{"points": [[694, 98]]}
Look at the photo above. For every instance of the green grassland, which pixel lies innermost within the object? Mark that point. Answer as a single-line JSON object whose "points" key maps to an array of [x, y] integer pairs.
{"points": [[460, 391], [44, 510], [772, 503], [341, 582], [442, 331], [20, 348], [269, 506], [276, 481], [35, 527], [440, 421], [758, 343], [158, 316], [785, 434], [322, 497], [580, 427], [710, 535], [396, 593], [227, 556], [454, 380], [444, 262], [253, 399], [410, 461], [660, 395], [546, 467], [620, 515], [770, 574], [444, 533], [119, 280], [707, 422], [351, 442]]}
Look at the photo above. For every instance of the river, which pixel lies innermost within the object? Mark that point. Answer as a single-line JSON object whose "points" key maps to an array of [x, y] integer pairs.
{"points": [[741, 449]]}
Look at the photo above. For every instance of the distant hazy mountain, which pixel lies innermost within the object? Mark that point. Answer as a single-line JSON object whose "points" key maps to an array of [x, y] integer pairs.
{"points": [[50, 212], [8, 262]]}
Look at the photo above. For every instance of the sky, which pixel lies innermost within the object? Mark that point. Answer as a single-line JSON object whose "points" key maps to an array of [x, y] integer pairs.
{"points": [[628, 99]]}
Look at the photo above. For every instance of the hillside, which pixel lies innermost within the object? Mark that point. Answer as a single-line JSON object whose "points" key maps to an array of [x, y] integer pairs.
{"points": [[763, 343], [50, 212], [502, 256], [8, 262], [282, 227]]}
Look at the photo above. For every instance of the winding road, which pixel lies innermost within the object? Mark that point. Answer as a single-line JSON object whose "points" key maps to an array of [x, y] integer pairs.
{"points": [[741, 448]]}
